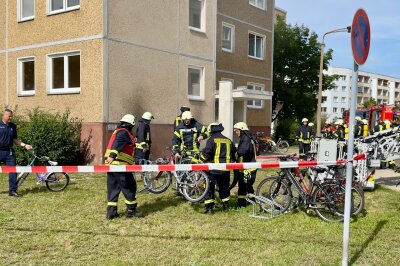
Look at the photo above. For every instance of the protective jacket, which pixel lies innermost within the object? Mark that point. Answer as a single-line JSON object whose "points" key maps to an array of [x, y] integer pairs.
{"points": [[121, 147], [304, 134], [246, 149], [185, 136]]}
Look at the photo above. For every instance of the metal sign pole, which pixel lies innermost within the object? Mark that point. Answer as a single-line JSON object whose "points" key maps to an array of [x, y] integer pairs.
{"points": [[349, 166]]}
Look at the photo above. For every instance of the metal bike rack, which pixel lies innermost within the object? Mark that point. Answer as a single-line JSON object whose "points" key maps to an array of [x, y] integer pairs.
{"points": [[268, 208]]}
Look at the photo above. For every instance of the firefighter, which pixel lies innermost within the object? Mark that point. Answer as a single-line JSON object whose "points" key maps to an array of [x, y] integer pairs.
{"points": [[365, 127], [387, 124], [346, 130], [358, 127], [188, 134], [246, 151], [120, 151], [178, 119], [304, 135], [327, 130], [143, 138], [379, 127], [218, 149], [339, 134]]}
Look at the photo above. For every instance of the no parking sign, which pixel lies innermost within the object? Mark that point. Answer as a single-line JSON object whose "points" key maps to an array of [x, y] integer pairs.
{"points": [[360, 37]]}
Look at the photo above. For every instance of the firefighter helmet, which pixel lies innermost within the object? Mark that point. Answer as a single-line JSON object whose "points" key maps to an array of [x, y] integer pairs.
{"points": [[128, 118], [187, 115], [147, 115], [241, 126], [304, 120], [339, 122]]}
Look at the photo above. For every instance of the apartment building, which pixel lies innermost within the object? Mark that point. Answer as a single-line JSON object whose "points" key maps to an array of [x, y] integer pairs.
{"points": [[385, 89], [102, 59]]}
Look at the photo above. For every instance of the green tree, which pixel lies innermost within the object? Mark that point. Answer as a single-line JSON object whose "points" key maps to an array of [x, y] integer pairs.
{"points": [[370, 102], [296, 71]]}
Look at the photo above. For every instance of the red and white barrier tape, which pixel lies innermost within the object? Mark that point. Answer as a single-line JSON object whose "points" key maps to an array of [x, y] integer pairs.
{"points": [[171, 167], [168, 167]]}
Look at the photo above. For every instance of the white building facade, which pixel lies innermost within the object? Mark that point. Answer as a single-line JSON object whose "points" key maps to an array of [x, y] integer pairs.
{"points": [[384, 89]]}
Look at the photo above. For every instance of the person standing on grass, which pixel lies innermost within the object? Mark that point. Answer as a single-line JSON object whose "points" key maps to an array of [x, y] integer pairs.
{"points": [[143, 138], [219, 149], [120, 150], [8, 137], [246, 152]]}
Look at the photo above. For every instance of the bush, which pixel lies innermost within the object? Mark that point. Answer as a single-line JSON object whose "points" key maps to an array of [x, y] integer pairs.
{"points": [[286, 129], [54, 135]]}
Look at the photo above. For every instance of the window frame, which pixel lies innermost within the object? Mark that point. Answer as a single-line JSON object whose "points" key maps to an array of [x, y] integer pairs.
{"points": [[49, 72], [19, 12], [20, 61], [200, 97], [336, 99], [344, 99], [263, 45], [333, 110], [63, 10], [202, 28], [264, 8], [253, 106], [232, 27]]}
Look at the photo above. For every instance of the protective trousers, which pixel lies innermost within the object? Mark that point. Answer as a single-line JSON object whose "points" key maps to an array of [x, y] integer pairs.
{"points": [[117, 182], [245, 187], [304, 148], [222, 179]]}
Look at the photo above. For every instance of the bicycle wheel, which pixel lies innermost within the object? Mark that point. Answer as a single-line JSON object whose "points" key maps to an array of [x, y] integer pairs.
{"points": [[57, 181], [329, 202], [157, 182], [196, 185], [283, 146], [275, 188], [357, 198]]}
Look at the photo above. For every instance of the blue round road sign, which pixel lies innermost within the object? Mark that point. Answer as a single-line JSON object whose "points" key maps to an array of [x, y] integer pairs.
{"points": [[360, 37]]}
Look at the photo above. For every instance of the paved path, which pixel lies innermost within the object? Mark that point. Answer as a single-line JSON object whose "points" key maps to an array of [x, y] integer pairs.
{"points": [[387, 178]]}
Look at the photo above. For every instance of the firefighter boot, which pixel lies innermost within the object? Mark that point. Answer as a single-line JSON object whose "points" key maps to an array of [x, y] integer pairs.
{"points": [[112, 212], [209, 209], [131, 211], [241, 203]]}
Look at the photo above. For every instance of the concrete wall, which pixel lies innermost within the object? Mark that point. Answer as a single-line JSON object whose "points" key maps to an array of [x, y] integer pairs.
{"points": [[86, 21], [2, 26], [2, 80]]}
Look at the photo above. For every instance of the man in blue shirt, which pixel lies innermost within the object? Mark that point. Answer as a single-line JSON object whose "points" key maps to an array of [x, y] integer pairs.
{"points": [[8, 136]]}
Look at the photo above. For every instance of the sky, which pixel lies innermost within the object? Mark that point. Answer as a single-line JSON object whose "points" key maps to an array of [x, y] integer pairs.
{"points": [[322, 16]]}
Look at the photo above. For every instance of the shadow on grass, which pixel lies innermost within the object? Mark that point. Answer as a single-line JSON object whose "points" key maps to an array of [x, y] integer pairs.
{"points": [[371, 238], [167, 237]]}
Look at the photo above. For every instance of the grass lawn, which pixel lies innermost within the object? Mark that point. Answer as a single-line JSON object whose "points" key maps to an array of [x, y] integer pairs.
{"points": [[69, 228]]}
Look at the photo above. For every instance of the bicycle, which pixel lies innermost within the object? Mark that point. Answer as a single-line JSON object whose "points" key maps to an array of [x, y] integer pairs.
{"points": [[55, 182], [193, 185], [266, 144], [325, 198]]}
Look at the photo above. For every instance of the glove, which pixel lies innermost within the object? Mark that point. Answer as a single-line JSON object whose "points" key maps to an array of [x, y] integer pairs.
{"points": [[248, 176]]}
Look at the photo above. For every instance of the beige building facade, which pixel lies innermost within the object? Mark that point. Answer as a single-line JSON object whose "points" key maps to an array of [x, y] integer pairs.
{"points": [[101, 59]]}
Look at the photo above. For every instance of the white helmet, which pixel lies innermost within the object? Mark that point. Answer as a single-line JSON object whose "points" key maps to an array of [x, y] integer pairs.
{"points": [[365, 121], [210, 125], [147, 115], [387, 122], [128, 118], [304, 120], [311, 124], [187, 115], [358, 118], [241, 126], [339, 122]]}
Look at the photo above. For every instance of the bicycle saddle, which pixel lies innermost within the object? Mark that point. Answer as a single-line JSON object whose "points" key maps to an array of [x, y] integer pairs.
{"points": [[52, 163]]}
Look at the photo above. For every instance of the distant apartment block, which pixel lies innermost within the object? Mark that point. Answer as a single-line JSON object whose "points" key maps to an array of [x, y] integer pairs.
{"points": [[102, 59], [385, 89]]}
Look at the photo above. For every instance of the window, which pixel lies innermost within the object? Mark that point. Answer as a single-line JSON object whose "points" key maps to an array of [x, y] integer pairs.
{"points": [[323, 109], [335, 99], [343, 99], [342, 110], [26, 76], [256, 45], [334, 109], [58, 6], [335, 88], [258, 3], [324, 98], [26, 10], [64, 73], [196, 83], [228, 37], [196, 15], [256, 104], [343, 88]]}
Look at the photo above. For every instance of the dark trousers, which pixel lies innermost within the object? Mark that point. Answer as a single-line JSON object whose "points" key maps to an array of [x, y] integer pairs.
{"points": [[245, 188], [304, 148], [117, 182], [8, 157], [222, 179], [140, 155]]}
